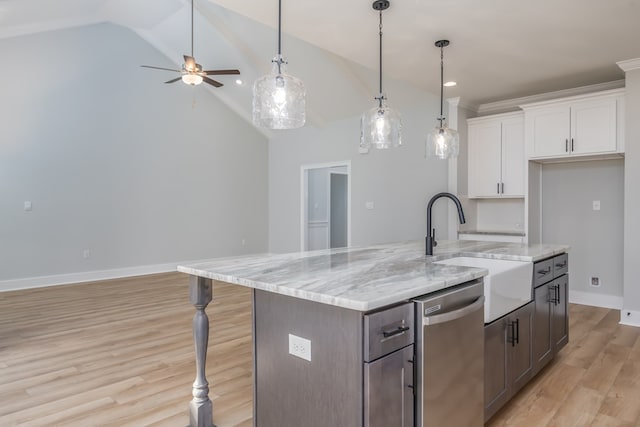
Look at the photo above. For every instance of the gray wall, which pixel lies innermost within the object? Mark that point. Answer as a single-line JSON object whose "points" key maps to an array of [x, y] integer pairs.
{"points": [[632, 196], [114, 161], [595, 237], [398, 181]]}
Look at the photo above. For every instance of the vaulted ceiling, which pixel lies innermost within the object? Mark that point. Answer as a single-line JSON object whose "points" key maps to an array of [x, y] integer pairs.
{"points": [[499, 49]]}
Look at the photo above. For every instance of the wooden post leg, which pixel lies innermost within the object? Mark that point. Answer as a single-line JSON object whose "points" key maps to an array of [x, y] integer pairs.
{"points": [[200, 407]]}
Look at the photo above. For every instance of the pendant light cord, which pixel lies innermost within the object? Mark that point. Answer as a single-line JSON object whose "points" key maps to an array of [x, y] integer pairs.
{"points": [[441, 84], [279, 36], [192, 28], [380, 63]]}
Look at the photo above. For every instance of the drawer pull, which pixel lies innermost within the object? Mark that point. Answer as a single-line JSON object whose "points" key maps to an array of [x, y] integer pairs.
{"points": [[399, 330], [563, 265], [545, 272]]}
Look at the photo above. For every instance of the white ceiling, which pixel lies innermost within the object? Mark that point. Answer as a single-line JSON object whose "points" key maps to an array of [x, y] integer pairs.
{"points": [[499, 49]]}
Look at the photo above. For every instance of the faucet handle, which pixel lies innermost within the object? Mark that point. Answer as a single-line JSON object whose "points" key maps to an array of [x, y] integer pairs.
{"points": [[433, 237]]}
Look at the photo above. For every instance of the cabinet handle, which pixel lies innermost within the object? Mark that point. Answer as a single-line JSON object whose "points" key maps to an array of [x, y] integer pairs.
{"points": [[515, 332], [557, 294], [414, 376], [552, 299], [572, 145], [399, 330], [566, 145], [545, 272], [502, 184], [498, 187], [563, 265]]}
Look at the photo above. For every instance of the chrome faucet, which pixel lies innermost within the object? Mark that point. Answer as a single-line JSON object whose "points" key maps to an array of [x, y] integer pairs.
{"points": [[431, 233]]}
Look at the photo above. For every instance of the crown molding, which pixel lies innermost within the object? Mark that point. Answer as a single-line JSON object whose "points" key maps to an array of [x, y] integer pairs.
{"points": [[514, 104], [457, 102], [629, 64]]}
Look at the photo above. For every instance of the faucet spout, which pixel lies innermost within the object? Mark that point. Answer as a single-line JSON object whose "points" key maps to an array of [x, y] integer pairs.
{"points": [[430, 240]]}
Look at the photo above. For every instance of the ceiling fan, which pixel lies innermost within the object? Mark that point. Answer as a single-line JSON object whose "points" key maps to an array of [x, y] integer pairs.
{"points": [[192, 72]]}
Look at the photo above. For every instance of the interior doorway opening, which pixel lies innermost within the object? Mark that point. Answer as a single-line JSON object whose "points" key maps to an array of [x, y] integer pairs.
{"points": [[326, 206]]}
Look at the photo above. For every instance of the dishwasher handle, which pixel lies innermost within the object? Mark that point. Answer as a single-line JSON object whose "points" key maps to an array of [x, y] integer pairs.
{"points": [[455, 314]]}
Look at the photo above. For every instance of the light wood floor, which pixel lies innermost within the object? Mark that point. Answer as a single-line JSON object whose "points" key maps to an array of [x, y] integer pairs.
{"points": [[120, 353]]}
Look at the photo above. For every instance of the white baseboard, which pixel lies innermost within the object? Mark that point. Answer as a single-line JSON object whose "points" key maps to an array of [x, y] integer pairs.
{"points": [[630, 317], [88, 276], [595, 300]]}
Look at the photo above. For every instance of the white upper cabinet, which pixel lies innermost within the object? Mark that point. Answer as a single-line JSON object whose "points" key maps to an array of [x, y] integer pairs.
{"points": [[585, 125], [496, 156]]}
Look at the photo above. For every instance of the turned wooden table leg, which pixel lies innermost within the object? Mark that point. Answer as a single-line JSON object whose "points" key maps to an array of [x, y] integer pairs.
{"points": [[200, 407]]}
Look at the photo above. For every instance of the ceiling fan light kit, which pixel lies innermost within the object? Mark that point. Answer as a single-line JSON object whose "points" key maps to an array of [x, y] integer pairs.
{"points": [[442, 142], [279, 98], [192, 73], [380, 126]]}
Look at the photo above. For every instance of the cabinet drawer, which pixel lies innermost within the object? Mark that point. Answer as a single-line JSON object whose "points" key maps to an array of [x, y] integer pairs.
{"points": [[388, 330], [542, 272], [560, 265]]}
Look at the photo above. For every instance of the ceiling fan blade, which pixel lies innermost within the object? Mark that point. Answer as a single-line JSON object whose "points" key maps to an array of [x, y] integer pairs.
{"points": [[211, 82], [160, 68], [174, 80], [220, 72]]}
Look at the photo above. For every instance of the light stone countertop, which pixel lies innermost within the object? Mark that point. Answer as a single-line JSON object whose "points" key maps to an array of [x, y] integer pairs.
{"points": [[364, 278], [517, 233]]}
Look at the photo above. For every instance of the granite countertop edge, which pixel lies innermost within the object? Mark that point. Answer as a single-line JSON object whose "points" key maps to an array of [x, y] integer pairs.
{"points": [[364, 278]]}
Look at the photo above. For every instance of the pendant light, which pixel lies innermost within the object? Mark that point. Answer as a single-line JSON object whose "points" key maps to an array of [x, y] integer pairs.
{"points": [[278, 98], [442, 142], [381, 126]]}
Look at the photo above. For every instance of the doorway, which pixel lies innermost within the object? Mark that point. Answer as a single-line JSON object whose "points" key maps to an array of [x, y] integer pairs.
{"points": [[326, 206]]}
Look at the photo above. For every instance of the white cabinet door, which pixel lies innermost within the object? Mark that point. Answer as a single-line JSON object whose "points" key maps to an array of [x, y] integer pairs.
{"points": [[579, 126], [513, 159], [484, 159], [550, 131], [593, 126]]}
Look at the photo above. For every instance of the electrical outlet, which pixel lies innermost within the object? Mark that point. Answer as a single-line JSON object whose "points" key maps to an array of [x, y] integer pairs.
{"points": [[595, 282], [596, 205], [369, 205], [300, 347], [86, 254]]}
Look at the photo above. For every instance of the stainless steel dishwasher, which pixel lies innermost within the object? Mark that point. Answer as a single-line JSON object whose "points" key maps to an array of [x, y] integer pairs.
{"points": [[450, 357]]}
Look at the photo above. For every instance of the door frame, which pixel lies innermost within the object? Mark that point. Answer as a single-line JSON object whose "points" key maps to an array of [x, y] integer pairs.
{"points": [[304, 197]]}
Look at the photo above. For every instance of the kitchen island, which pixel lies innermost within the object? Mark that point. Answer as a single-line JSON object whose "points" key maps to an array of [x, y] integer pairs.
{"points": [[348, 280]]}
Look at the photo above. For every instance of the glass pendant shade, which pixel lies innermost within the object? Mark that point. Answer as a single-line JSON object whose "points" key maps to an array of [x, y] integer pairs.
{"points": [[279, 99], [380, 127], [443, 143], [192, 79]]}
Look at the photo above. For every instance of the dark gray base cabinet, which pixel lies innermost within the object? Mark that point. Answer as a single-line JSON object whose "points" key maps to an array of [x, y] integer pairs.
{"points": [[512, 358], [508, 357], [360, 372], [551, 320]]}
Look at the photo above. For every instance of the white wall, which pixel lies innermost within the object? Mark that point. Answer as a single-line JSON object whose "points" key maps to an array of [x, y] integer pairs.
{"points": [[115, 161], [398, 181], [459, 170], [500, 214], [631, 306], [595, 237]]}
